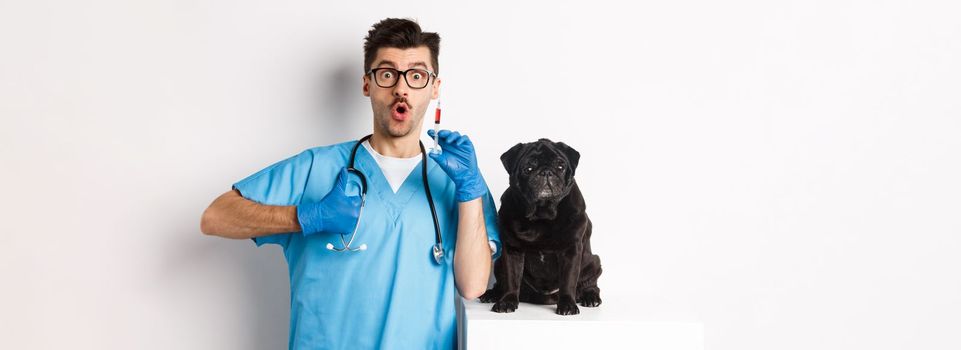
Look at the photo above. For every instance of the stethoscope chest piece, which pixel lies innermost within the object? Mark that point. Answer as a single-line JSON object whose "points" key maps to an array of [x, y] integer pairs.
{"points": [[438, 253]]}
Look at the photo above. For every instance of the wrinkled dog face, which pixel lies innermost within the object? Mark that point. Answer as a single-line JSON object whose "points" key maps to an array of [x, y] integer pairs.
{"points": [[542, 171]]}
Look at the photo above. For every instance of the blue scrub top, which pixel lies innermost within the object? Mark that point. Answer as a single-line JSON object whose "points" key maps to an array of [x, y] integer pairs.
{"points": [[391, 296]]}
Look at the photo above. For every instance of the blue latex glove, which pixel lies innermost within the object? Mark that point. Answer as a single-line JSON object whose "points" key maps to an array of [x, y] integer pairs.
{"points": [[460, 163], [337, 212]]}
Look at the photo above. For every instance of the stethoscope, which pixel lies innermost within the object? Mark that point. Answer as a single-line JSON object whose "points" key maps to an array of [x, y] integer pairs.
{"points": [[437, 250]]}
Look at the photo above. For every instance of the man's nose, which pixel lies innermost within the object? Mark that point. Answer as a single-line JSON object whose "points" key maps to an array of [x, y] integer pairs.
{"points": [[401, 89]]}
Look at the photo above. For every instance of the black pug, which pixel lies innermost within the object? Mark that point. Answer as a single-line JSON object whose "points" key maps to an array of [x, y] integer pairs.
{"points": [[545, 233]]}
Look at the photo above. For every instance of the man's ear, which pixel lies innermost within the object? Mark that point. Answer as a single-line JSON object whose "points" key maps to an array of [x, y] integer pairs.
{"points": [[436, 92], [509, 158], [572, 155], [366, 85]]}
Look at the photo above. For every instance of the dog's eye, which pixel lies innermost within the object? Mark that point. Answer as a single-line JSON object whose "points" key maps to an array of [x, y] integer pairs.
{"points": [[528, 169], [560, 167]]}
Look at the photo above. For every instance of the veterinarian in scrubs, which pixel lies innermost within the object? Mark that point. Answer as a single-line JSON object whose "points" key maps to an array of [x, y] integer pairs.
{"points": [[393, 294]]}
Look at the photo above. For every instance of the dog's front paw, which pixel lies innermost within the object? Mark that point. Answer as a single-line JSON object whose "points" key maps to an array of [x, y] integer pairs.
{"points": [[590, 299], [567, 307], [505, 306], [488, 297]]}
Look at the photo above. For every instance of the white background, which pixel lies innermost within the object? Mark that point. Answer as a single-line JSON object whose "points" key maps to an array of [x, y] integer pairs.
{"points": [[784, 172]]}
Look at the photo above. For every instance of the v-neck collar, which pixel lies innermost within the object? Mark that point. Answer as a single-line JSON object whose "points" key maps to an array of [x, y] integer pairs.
{"points": [[378, 185]]}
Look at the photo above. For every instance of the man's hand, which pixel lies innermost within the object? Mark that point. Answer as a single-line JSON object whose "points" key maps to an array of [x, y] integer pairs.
{"points": [[460, 163], [337, 212]]}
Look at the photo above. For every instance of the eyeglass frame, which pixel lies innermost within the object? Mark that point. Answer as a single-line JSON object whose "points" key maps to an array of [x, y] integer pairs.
{"points": [[402, 73]]}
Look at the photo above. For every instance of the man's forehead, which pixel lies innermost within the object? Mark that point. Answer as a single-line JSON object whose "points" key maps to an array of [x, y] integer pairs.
{"points": [[403, 58]]}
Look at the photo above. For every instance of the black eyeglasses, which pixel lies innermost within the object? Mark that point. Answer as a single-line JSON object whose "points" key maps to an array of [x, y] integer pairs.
{"points": [[388, 77]]}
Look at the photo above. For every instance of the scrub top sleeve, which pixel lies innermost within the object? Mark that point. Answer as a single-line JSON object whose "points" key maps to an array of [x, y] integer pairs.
{"points": [[490, 220], [281, 183], [280, 239]]}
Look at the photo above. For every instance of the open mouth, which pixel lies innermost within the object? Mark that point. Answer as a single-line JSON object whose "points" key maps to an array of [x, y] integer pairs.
{"points": [[400, 111]]}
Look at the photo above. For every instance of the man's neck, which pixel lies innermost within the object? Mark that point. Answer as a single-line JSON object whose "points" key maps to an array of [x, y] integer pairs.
{"points": [[397, 147]]}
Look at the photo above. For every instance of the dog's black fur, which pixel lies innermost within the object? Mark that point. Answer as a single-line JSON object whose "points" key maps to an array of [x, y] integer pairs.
{"points": [[545, 233]]}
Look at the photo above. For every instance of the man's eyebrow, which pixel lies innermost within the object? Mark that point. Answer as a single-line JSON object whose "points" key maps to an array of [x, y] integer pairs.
{"points": [[394, 65], [413, 64], [388, 62]]}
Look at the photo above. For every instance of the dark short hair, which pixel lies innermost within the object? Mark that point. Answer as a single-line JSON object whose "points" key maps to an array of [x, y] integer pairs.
{"points": [[400, 33]]}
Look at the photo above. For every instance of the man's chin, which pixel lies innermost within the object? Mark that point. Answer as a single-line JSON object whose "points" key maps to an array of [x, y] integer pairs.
{"points": [[400, 130]]}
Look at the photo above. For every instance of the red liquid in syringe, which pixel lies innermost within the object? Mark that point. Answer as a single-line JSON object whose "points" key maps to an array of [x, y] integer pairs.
{"points": [[436, 149]]}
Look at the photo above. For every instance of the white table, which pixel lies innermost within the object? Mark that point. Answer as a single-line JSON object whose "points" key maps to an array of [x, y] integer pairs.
{"points": [[616, 324]]}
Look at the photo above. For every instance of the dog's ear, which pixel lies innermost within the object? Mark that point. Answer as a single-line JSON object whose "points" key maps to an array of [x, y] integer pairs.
{"points": [[509, 158], [572, 155]]}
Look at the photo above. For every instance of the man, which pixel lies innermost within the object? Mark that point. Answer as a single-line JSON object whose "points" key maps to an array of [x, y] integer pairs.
{"points": [[392, 294]]}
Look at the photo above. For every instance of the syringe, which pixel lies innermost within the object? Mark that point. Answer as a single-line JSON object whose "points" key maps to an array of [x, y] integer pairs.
{"points": [[436, 149]]}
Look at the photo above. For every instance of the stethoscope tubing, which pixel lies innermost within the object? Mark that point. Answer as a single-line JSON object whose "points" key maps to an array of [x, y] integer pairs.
{"points": [[437, 249]]}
